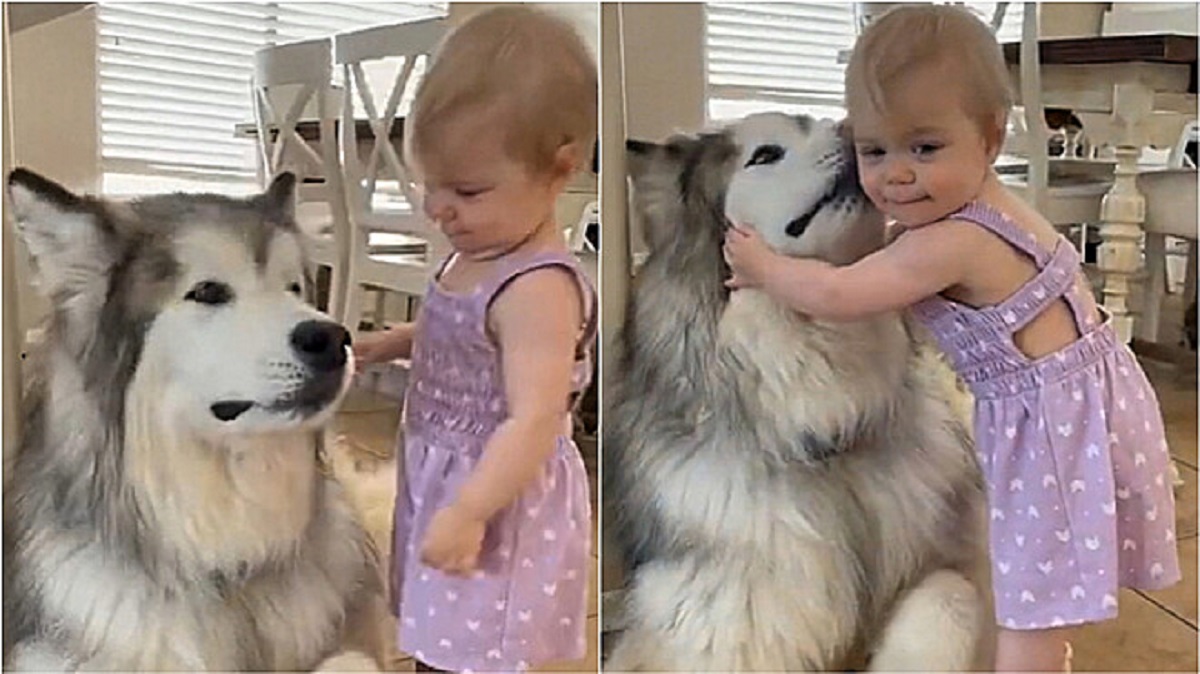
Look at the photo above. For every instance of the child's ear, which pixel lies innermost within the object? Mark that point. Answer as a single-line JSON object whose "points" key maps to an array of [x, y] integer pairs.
{"points": [[568, 158], [995, 135]]}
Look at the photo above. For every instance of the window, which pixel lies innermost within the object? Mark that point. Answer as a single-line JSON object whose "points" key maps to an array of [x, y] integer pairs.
{"points": [[784, 56], [174, 80]]}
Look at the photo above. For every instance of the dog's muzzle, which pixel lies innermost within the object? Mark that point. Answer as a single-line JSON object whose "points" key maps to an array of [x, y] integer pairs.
{"points": [[321, 347]]}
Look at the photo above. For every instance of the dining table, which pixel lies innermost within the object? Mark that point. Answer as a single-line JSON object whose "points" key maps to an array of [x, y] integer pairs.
{"points": [[1129, 92]]}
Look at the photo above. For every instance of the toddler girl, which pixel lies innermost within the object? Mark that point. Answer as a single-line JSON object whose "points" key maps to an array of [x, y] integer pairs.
{"points": [[1067, 427], [492, 520]]}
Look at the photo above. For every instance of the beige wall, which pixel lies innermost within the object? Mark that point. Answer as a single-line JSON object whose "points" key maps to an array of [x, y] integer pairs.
{"points": [[51, 103]]}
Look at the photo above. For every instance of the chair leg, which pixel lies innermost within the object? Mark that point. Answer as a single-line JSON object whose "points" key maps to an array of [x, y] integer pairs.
{"points": [[1153, 287]]}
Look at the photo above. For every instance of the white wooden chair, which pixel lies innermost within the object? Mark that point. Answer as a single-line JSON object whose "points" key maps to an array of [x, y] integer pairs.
{"points": [[292, 82], [393, 247]]}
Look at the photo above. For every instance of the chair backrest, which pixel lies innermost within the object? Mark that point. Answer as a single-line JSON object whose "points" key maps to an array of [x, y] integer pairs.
{"points": [[409, 45], [291, 83]]}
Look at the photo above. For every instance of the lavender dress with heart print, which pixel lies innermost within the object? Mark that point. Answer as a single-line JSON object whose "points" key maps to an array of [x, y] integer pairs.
{"points": [[1071, 444], [526, 604]]}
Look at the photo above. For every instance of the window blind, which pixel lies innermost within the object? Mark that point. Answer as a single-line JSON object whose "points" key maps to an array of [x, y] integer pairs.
{"points": [[784, 55], [174, 81]]}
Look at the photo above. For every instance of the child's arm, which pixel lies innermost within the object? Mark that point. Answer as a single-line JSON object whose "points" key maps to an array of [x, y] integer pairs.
{"points": [[922, 262], [384, 345], [536, 322]]}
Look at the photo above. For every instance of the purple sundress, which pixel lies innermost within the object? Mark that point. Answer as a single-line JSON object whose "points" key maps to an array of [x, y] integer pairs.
{"points": [[1071, 445], [526, 604]]}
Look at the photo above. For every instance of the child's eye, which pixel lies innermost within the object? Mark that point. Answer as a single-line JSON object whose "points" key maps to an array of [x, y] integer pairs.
{"points": [[926, 149], [870, 152], [468, 192]]}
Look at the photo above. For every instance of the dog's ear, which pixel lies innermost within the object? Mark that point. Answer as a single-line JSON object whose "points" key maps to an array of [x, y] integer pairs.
{"points": [[279, 200], [640, 156], [68, 236]]}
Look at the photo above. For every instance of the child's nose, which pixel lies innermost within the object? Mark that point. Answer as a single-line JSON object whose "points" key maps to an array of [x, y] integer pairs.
{"points": [[897, 171]]}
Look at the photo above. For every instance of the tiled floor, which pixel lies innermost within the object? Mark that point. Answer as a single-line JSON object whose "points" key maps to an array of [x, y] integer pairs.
{"points": [[364, 462]]}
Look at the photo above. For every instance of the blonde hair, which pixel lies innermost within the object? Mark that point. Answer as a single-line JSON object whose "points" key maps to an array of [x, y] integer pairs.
{"points": [[528, 71], [912, 37]]}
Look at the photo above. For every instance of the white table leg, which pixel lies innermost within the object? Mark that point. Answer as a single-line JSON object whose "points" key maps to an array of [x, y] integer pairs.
{"points": [[1124, 208], [1122, 213]]}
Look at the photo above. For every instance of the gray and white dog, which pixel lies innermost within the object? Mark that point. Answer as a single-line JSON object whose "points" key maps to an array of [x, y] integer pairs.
{"points": [[166, 510], [792, 494]]}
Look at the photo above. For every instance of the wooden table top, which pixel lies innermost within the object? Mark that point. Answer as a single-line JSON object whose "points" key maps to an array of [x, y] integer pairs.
{"points": [[1157, 48]]}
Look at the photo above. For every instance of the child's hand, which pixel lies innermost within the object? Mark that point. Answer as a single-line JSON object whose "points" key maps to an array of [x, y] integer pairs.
{"points": [[748, 257], [453, 541], [371, 347]]}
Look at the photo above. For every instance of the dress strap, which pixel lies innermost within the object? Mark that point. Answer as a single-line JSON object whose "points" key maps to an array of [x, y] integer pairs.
{"points": [[999, 224], [510, 273]]}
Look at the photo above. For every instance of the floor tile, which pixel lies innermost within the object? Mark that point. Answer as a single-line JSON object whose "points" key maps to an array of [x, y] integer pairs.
{"points": [[1185, 503], [1180, 599], [1144, 638]]}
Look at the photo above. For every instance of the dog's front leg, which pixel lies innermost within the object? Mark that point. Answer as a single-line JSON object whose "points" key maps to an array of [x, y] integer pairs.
{"points": [[936, 627]]}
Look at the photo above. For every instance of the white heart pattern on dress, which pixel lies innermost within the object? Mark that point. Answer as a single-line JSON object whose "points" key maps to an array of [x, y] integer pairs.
{"points": [[500, 605], [1092, 451], [1057, 621], [445, 643], [1016, 485], [1049, 481], [1109, 508], [549, 535], [1077, 486], [494, 654], [1027, 597], [1046, 567], [1066, 429], [1152, 514], [1020, 539], [451, 595], [1092, 543], [565, 622], [997, 514], [1033, 512], [1004, 568], [549, 589], [1123, 493], [527, 563], [1063, 535], [1108, 601], [524, 616], [1157, 570], [1010, 432], [1077, 592], [1129, 544], [473, 625]]}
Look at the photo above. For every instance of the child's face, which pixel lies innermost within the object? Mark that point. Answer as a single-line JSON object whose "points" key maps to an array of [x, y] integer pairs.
{"points": [[924, 160], [481, 199]]}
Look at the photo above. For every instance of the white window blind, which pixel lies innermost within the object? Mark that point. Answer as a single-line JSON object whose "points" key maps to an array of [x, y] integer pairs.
{"points": [[784, 55], [174, 81]]}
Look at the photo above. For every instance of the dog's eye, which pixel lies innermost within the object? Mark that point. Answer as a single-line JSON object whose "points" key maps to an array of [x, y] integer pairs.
{"points": [[766, 154], [294, 288], [210, 292]]}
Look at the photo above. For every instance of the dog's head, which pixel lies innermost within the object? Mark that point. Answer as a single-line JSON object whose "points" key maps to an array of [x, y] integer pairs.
{"points": [[192, 304], [791, 177]]}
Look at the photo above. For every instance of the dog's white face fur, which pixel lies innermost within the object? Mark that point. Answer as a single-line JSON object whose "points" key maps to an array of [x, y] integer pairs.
{"points": [[219, 303], [784, 170], [198, 355]]}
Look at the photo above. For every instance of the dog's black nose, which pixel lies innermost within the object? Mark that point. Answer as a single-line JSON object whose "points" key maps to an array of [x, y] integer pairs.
{"points": [[321, 345]]}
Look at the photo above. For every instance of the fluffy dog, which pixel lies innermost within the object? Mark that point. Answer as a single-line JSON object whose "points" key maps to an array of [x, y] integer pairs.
{"points": [[792, 494]]}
